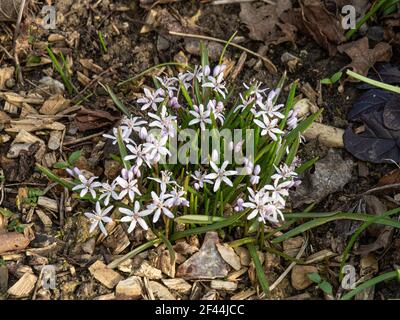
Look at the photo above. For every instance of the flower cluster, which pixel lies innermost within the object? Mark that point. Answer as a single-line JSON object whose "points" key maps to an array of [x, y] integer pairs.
{"points": [[195, 99]]}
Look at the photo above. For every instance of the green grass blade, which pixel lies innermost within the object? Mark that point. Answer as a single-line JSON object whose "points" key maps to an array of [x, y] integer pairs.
{"points": [[134, 252], [204, 55], [64, 77], [371, 282], [364, 19], [293, 151], [54, 177], [102, 42], [340, 216], [375, 83], [306, 165], [357, 233], [198, 219], [215, 226], [171, 250], [241, 242], [122, 150], [116, 101], [289, 103], [259, 269], [226, 46]]}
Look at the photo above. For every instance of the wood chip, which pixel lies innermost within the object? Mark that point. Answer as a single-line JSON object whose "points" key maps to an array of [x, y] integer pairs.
{"points": [[54, 105], [10, 108], [3, 224], [54, 37], [83, 79], [125, 266], [16, 99], [13, 241], [45, 251], [24, 286], [236, 274], [150, 19], [228, 254], [160, 292], [292, 245], [31, 125], [223, 285], [327, 135], [3, 278], [48, 203], [55, 140], [178, 285], [27, 110], [166, 265], [244, 256], [44, 218], [146, 270], [104, 275], [109, 296], [244, 294], [210, 295], [24, 137], [320, 256], [90, 65], [118, 240], [302, 296], [130, 288]]}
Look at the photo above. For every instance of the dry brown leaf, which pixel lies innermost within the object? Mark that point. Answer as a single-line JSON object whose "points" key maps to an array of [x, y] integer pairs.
{"points": [[382, 233], [392, 177], [363, 58], [324, 27], [88, 119], [104, 275], [264, 24]]}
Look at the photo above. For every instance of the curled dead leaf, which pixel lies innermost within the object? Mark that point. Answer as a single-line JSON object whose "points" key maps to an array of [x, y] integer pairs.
{"points": [[265, 24], [323, 26], [363, 58]]}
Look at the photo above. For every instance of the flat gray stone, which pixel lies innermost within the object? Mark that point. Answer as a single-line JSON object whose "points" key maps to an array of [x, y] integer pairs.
{"points": [[207, 264]]}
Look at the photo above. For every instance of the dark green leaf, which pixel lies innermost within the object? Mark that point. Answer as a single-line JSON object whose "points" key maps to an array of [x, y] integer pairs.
{"points": [[326, 287], [74, 156], [314, 277]]}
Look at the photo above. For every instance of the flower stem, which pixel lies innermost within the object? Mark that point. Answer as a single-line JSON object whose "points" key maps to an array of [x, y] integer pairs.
{"points": [[372, 82]]}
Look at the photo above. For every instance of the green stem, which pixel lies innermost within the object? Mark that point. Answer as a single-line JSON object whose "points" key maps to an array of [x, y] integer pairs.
{"points": [[355, 236], [375, 83], [134, 252], [370, 13]]}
